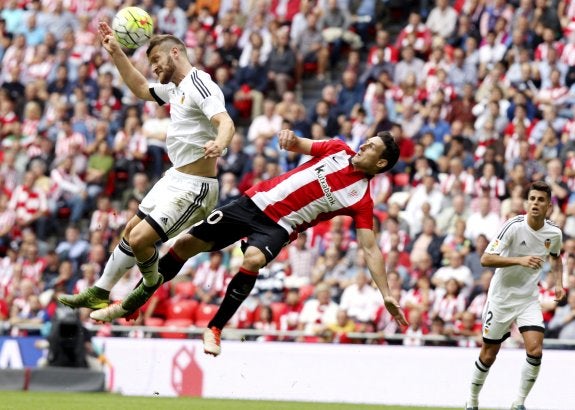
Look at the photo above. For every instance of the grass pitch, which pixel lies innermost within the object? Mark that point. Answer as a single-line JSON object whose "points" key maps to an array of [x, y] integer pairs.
{"points": [[100, 401]]}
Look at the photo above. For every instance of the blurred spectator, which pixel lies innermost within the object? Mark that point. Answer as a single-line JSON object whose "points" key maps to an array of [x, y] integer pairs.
{"points": [[281, 64], [154, 129], [301, 259], [360, 301], [265, 322], [450, 303], [311, 49], [73, 247], [483, 221], [338, 332], [251, 81], [317, 314], [71, 190], [442, 19], [455, 270], [563, 323], [172, 19], [235, 160], [416, 329], [209, 278], [30, 206]]}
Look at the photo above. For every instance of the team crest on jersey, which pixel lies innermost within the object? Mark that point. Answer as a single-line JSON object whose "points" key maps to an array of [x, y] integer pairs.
{"points": [[547, 243], [353, 193], [494, 246]]}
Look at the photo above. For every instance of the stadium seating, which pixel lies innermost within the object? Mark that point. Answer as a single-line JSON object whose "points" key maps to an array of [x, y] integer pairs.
{"points": [[184, 289], [182, 309], [175, 323], [204, 313]]}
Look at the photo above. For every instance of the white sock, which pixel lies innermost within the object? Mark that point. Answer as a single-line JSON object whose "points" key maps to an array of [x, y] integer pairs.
{"points": [[121, 259], [149, 269], [480, 372], [529, 374]]}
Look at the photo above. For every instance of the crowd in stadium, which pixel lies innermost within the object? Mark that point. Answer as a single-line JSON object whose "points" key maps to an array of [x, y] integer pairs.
{"points": [[478, 94]]}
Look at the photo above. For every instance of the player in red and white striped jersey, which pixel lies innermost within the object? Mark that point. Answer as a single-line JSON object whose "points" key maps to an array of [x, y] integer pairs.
{"points": [[335, 181]]}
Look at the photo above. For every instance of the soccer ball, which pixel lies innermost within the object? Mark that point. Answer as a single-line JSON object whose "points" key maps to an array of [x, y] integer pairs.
{"points": [[132, 27]]}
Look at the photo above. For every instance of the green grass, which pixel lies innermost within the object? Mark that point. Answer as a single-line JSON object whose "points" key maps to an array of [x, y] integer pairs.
{"points": [[97, 401]]}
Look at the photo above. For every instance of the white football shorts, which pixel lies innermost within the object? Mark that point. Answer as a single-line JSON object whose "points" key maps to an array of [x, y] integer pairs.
{"points": [[177, 201], [497, 321]]}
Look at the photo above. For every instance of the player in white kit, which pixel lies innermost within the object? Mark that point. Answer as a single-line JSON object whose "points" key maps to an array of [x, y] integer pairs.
{"points": [[199, 131], [519, 252]]}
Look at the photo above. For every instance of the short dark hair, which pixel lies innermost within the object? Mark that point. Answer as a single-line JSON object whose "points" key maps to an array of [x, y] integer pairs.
{"points": [[540, 186], [165, 39], [391, 151]]}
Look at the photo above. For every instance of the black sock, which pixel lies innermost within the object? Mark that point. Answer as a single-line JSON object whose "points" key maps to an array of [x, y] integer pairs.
{"points": [[170, 265], [238, 290]]}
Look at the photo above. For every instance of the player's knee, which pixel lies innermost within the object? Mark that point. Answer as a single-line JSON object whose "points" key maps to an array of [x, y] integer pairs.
{"points": [[129, 226], [188, 245], [254, 259], [489, 354], [535, 351], [137, 238]]}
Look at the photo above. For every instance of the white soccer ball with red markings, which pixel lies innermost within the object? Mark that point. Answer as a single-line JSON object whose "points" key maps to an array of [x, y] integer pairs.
{"points": [[132, 27]]}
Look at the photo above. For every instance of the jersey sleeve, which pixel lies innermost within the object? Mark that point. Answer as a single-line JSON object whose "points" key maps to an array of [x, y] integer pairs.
{"points": [[207, 95], [363, 216], [324, 148], [503, 239], [556, 245], [160, 92]]}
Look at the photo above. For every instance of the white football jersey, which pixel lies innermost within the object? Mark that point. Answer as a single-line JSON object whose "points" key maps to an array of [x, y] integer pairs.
{"points": [[516, 285], [192, 104]]}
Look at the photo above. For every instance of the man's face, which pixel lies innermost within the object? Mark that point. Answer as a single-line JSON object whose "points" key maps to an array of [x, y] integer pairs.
{"points": [[163, 65], [369, 154], [537, 203]]}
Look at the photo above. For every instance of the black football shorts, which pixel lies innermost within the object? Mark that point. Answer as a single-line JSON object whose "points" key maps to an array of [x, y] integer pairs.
{"points": [[238, 220]]}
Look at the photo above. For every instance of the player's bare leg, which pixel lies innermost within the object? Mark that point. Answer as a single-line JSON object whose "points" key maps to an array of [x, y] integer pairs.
{"points": [[534, 349], [143, 238], [238, 290], [487, 357]]}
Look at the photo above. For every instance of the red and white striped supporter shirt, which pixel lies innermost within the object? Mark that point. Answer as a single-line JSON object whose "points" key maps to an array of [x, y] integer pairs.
{"points": [[325, 186], [27, 203], [33, 269], [65, 142]]}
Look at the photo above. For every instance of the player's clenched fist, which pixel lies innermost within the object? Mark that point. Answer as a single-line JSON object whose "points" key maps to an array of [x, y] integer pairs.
{"points": [[287, 139], [212, 150]]}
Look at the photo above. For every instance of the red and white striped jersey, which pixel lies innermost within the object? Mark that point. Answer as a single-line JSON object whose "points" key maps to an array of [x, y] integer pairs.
{"points": [[325, 186]]}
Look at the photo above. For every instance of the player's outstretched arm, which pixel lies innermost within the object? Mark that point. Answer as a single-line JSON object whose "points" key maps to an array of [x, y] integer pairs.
{"points": [[289, 141], [135, 81], [376, 265], [226, 129]]}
